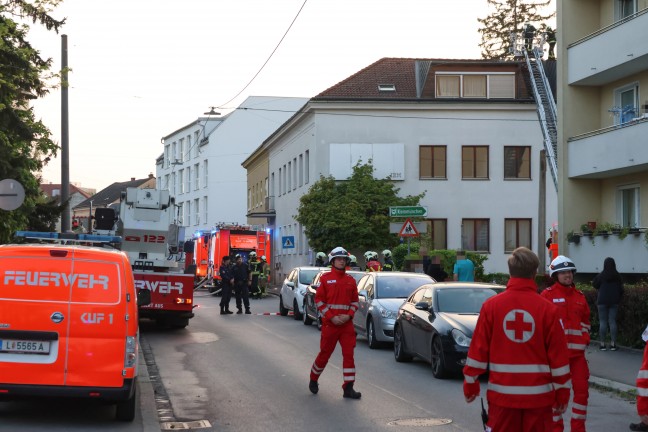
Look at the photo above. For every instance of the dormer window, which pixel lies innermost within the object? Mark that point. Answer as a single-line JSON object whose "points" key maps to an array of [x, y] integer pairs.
{"points": [[386, 88], [475, 85]]}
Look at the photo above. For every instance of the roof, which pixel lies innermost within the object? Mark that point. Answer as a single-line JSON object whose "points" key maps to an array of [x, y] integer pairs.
{"points": [[111, 194], [49, 188]]}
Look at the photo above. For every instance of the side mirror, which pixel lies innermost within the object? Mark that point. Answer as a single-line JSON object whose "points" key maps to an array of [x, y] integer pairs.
{"points": [[290, 284], [315, 286], [143, 297], [362, 293], [422, 306]]}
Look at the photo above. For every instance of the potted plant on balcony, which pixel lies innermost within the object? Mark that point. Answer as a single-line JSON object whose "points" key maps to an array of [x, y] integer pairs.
{"points": [[604, 229], [586, 230], [616, 229], [573, 237], [624, 233]]}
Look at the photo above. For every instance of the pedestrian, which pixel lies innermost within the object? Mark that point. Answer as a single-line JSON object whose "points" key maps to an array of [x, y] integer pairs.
{"points": [[337, 301], [464, 269], [254, 266], [227, 283], [550, 34], [574, 315], [434, 269], [320, 260], [610, 290], [241, 285], [642, 390], [519, 339], [388, 261], [373, 265]]}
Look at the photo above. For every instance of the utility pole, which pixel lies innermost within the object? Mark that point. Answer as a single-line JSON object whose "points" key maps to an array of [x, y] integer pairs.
{"points": [[65, 139], [542, 211]]}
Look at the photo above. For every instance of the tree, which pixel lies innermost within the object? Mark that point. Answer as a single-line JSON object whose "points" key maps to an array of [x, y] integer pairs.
{"points": [[25, 143], [509, 17], [353, 213]]}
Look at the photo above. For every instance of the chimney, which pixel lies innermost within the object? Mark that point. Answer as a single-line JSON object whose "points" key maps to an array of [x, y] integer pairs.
{"points": [[132, 178], [151, 175]]}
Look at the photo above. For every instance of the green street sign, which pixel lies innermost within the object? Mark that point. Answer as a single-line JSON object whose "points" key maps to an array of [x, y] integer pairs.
{"points": [[408, 211]]}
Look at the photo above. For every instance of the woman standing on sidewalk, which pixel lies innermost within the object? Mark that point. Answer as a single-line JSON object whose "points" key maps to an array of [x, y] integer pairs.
{"points": [[610, 290]]}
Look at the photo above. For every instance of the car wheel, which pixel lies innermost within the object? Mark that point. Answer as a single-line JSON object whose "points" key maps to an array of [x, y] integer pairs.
{"points": [[319, 321], [400, 353], [371, 335], [438, 361], [307, 320], [296, 314], [282, 309]]}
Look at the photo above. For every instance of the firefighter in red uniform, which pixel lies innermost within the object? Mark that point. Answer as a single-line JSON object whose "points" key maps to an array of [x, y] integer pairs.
{"points": [[337, 301], [575, 316], [519, 338], [642, 391]]}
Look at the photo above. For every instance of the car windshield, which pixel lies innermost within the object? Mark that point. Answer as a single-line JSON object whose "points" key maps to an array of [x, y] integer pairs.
{"points": [[398, 286], [356, 275], [463, 300], [306, 276]]}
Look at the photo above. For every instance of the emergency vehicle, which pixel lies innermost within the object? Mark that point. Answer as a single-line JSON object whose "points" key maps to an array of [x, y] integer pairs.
{"points": [[150, 238], [211, 246], [68, 322]]}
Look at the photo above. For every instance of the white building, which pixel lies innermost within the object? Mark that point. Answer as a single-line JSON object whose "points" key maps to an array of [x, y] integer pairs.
{"points": [[201, 163], [464, 131]]}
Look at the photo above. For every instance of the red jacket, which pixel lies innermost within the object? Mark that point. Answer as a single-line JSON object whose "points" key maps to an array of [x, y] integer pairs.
{"points": [[373, 266], [336, 295], [574, 313], [642, 385], [518, 337]]}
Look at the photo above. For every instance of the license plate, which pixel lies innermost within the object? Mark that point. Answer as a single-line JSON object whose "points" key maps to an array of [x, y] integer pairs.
{"points": [[24, 346]]}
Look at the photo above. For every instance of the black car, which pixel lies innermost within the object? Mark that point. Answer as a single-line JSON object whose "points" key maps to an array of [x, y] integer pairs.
{"points": [[437, 322], [311, 314]]}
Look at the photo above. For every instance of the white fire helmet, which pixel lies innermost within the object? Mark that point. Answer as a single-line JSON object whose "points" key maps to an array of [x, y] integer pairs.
{"points": [[560, 264]]}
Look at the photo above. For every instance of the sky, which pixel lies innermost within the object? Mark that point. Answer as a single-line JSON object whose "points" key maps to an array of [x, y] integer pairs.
{"points": [[141, 69]]}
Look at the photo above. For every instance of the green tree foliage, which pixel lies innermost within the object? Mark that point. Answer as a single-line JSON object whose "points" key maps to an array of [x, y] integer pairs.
{"points": [[509, 16], [25, 143], [353, 213]]}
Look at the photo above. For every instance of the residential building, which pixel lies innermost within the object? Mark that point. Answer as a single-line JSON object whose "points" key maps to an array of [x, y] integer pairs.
{"points": [[201, 163], [77, 195], [603, 129], [465, 132]]}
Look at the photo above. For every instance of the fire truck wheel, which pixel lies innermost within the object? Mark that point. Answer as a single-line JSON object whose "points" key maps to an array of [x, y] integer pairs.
{"points": [[126, 410], [179, 323], [282, 309]]}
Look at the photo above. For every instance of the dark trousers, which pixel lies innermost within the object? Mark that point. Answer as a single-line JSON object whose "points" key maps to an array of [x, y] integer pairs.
{"points": [[241, 292], [254, 286], [226, 295]]}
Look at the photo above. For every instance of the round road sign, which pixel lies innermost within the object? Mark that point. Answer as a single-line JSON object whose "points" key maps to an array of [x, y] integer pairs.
{"points": [[12, 194]]}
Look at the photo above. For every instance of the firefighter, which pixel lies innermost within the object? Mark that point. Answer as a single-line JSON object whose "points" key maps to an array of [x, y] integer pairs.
{"points": [[227, 279], [320, 260], [353, 263], [388, 262], [254, 265], [241, 275], [529, 33], [551, 40], [574, 314], [264, 276], [519, 339], [337, 301], [373, 265]]}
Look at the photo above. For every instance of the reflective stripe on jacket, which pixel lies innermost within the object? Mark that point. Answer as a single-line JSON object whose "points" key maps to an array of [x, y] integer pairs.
{"points": [[574, 313], [336, 295]]}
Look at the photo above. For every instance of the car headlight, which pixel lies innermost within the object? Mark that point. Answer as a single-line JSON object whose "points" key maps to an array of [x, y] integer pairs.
{"points": [[460, 338], [386, 313]]}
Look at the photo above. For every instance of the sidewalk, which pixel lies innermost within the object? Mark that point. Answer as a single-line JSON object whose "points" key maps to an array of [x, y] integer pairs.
{"points": [[614, 369]]}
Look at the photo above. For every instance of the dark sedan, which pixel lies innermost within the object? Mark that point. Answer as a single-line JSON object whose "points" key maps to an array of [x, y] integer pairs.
{"points": [[311, 314], [437, 321]]}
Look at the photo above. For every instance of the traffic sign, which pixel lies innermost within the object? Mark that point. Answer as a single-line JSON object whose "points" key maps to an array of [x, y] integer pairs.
{"points": [[12, 194], [408, 230], [288, 242], [408, 211]]}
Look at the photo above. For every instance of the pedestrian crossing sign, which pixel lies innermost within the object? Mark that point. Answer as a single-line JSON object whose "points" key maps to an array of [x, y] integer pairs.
{"points": [[288, 242], [408, 230]]}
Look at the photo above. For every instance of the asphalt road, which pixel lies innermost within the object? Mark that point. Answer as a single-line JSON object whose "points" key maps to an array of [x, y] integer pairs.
{"points": [[250, 373]]}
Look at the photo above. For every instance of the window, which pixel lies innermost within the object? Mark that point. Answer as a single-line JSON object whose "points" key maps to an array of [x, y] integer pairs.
{"points": [[474, 162], [166, 182], [432, 162], [501, 86], [182, 149], [181, 181], [173, 184], [475, 234], [279, 190], [167, 161], [628, 205], [448, 86], [517, 233], [492, 85], [301, 170], [289, 177], [626, 101], [306, 167], [196, 145], [437, 229], [196, 211], [474, 86], [180, 214], [294, 173], [205, 209], [197, 176], [625, 8], [188, 215], [188, 177], [189, 147], [517, 162], [174, 152], [205, 173]]}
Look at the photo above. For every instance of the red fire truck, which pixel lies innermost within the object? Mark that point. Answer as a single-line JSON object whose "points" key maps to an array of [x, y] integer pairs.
{"points": [[211, 246]]}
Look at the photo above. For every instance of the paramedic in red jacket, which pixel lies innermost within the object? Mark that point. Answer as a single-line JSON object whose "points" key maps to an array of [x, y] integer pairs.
{"points": [[337, 301], [518, 337], [575, 316], [642, 391]]}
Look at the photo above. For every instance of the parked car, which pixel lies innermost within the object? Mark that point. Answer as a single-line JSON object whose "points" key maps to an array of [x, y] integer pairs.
{"points": [[311, 314], [291, 297], [437, 322], [380, 294]]}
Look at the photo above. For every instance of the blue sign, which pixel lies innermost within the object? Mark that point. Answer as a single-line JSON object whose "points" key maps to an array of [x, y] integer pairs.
{"points": [[288, 242]]}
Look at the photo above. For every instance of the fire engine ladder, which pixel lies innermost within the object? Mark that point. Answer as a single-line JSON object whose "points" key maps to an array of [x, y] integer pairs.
{"points": [[261, 244], [546, 107]]}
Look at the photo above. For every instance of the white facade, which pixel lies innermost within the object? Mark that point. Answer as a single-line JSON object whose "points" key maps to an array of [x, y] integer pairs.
{"points": [[205, 175], [392, 134]]}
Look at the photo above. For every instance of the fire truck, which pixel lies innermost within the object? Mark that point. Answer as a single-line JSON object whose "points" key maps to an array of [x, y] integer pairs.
{"points": [[150, 239], [211, 246]]}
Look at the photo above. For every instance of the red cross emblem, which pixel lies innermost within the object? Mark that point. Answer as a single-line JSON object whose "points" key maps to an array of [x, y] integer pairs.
{"points": [[519, 325]]}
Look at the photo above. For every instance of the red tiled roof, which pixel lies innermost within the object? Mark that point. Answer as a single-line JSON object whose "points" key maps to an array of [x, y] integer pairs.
{"points": [[49, 188]]}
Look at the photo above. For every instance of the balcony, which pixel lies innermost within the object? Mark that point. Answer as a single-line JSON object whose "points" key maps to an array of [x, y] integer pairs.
{"points": [[612, 53], [630, 253], [609, 152]]}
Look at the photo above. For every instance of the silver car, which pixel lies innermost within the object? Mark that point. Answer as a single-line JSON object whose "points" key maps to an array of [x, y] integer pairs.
{"points": [[293, 289], [380, 295]]}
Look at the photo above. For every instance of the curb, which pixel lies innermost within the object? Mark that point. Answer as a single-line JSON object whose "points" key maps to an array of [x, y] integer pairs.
{"points": [[612, 385], [148, 408]]}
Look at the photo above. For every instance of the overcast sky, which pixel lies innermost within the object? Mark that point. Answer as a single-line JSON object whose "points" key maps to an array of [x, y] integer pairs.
{"points": [[143, 68]]}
